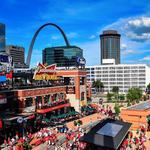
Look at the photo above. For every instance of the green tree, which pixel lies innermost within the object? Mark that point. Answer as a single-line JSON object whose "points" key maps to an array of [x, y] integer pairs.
{"points": [[134, 94], [148, 89], [144, 98], [122, 97], [117, 109], [115, 89], [98, 85], [109, 96]]}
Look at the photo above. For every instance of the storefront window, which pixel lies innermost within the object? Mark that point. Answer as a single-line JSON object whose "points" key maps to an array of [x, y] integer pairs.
{"points": [[28, 102]]}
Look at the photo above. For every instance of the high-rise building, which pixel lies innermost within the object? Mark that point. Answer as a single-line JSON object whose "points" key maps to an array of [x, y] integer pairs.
{"points": [[124, 76], [110, 47], [2, 37], [62, 56], [17, 54]]}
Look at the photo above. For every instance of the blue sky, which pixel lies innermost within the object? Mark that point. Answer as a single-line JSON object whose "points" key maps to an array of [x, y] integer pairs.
{"points": [[83, 21]]}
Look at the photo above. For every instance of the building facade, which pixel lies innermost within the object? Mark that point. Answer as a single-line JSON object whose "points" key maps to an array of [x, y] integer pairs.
{"points": [[138, 115], [17, 54], [124, 76], [2, 37], [62, 56], [110, 46]]}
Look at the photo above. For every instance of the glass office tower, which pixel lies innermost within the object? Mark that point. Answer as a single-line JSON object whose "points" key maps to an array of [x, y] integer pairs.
{"points": [[63, 56], [110, 46], [2, 37]]}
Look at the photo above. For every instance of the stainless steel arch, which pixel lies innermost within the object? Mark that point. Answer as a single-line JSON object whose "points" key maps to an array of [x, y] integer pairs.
{"points": [[34, 38]]}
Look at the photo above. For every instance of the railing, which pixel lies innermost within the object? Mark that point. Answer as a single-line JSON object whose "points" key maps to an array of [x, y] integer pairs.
{"points": [[53, 104], [34, 86]]}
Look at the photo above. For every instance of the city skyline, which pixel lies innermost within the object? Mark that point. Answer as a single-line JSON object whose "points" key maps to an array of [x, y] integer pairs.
{"points": [[82, 25]]}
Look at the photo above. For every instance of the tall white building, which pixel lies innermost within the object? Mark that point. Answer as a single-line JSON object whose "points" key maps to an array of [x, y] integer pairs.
{"points": [[124, 76]]}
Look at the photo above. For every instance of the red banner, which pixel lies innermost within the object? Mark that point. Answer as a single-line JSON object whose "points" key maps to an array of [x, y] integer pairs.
{"points": [[9, 75]]}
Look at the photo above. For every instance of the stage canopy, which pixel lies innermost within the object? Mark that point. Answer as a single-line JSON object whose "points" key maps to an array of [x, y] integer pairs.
{"points": [[108, 133]]}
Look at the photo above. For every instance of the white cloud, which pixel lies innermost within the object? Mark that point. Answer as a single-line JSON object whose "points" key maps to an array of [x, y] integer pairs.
{"points": [[141, 21], [146, 58], [123, 46], [92, 37], [133, 28]]}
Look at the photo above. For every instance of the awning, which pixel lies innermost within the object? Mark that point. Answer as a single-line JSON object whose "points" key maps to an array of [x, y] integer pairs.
{"points": [[42, 111]]}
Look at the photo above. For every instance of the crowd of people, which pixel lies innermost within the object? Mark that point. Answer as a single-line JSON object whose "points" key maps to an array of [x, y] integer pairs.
{"points": [[19, 142], [72, 140], [135, 141], [106, 110]]}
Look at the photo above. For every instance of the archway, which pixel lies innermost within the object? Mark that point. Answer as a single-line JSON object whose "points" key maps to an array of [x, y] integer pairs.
{"points": [[36, 34]]}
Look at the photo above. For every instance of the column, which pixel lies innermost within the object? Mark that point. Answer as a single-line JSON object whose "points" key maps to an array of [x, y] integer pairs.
{"points": [[43, 101], [33, 101], [77, 87]]}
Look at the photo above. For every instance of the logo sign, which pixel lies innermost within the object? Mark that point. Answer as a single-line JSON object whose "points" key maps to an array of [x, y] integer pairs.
{"points": [[81, 61], [5, 59], [44, 72], [3, 99], [20, 120]]}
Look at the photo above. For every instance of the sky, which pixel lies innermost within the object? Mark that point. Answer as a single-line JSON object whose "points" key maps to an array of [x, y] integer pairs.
{"points": [[82, 21]]}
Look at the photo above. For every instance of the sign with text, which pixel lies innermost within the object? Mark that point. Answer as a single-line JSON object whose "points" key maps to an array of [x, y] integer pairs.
{"points": [[70, 90], [44, 72]]}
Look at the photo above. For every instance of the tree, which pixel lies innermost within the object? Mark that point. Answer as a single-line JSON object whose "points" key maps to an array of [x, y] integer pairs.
{"points": [[98, 85], [121, 97], [148, 89], [109, 96], [115, 89], [117, 109], [134, 94]]}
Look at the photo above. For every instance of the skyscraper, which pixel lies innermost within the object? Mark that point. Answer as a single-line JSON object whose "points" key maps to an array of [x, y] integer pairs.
{"points": [[17, 54], [2, 37], [110, 46], [62, 56]]}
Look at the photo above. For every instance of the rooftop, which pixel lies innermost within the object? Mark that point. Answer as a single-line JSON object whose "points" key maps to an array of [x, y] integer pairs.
{"points": [[141, 106], [108, 133]]}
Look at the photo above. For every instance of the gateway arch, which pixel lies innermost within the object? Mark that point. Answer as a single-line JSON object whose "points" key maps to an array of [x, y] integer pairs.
{"points": [[35, 36]]}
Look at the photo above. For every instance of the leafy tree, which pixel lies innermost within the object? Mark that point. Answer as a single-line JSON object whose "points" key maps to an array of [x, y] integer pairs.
{"points": [[98, 85], [117, 109], [144, 98], [109, 96], [128, 104], [148, 89], [115, 89], [122, 97], [134, 94]]}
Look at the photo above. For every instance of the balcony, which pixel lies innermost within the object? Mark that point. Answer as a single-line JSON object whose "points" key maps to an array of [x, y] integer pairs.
{"points": [[53, 106]]}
